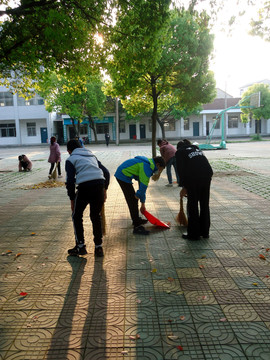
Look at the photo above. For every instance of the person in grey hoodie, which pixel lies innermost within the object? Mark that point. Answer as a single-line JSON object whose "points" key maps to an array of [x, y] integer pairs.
{"points": [[92, 180]]}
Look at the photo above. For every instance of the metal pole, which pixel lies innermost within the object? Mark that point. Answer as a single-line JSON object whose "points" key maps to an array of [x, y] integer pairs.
{"points": [[116, 122]]}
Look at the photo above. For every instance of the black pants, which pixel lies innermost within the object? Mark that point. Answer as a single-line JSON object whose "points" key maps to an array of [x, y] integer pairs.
{"points": [[132, 202], [58, 168], [198, 207], [94, 196]]}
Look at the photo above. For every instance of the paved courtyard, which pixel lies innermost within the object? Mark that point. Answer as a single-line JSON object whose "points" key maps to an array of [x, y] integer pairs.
{"points": [[155, 297]]}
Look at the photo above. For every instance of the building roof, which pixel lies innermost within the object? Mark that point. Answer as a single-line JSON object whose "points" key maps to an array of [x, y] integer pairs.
{"points": [[219, 104]]}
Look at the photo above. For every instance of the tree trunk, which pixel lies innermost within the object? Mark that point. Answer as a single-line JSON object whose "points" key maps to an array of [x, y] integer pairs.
{"points": [[161, 124], [154, 118], [92, 126], [74, 126]]}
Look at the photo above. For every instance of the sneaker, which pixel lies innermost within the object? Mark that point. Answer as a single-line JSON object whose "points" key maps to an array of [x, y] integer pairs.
{"points": [[187, 237], [60, 176], [140, 230], [169, 185], [49, 177], [99, 251], [77, 251]]}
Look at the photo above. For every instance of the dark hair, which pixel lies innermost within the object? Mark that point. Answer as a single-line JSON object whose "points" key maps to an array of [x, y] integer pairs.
{"points": [[159, 160], [73, 144], [20, 157], [182, 143], [53, 139]]}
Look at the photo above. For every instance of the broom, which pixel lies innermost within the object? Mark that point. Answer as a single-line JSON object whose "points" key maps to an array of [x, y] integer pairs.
{"points": [[181, 217], [103, 220], [54, 172]]}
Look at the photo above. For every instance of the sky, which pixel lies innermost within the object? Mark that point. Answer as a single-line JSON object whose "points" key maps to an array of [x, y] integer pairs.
{"points": [[239, 59]]}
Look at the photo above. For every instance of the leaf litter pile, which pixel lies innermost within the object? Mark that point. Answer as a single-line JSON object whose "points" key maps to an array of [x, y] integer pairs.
{"points": [[44, 185]]}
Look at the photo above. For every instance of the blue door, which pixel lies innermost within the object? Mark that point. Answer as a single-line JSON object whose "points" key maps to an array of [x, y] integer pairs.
{"points": [[196, 129], [44, 135]]}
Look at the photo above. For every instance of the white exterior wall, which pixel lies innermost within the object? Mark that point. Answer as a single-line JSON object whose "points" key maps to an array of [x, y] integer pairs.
{"points": [[20, 115]]}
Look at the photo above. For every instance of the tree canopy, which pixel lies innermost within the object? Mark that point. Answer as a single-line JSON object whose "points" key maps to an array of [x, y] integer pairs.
{"points": [[169, 67], [76, 98], [262, 112], [49, 35]]}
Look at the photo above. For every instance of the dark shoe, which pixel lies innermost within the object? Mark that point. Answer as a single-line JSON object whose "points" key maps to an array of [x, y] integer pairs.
{"points": [[99, 251], [77, 251], [142, 221], [140, 230], [187, 237], [205, 236]]}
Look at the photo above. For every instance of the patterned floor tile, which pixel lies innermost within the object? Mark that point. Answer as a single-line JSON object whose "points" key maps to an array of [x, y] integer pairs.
{"points": [[206, 313], [200, 297], [27, 354], [221, 283], [28, 339], [250, 282], [199, 284], [217, 352], [257, 296], [251, 333], [230, 296], [239, 271], [257, 351], [216, 333], [263, 310], [241, 313], [148, 333], [189, 273], [174, 313]]}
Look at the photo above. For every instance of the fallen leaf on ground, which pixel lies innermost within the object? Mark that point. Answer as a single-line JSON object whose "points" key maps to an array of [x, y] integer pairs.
{"points": [[173, 337], [23, 293], [179, 347], [262, 257]]}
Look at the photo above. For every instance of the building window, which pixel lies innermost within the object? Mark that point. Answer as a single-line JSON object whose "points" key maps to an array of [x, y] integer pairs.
{"points": [[6, 98], [83, 129], [233, 121], [31, 129], [186, 124], [7, 130], [169, 125], [217, 123], [36, 100], [122, 126], [102, 128]]}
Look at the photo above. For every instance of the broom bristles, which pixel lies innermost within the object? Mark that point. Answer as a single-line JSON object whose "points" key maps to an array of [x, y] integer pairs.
{"points": [[181, 217]]}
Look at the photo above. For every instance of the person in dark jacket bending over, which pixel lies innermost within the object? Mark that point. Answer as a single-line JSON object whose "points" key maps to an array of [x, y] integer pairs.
{"points": [[195, 174], [141, 169], [92, 180]]}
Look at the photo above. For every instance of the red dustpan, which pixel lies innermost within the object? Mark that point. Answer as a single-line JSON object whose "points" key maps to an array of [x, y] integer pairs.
{"points": [[155, 221]]}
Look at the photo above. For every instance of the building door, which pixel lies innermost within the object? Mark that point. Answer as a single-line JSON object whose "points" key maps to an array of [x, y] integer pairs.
{"points": [[142, 131], [196, 129], [44, 135], [132, 132], [258, 126], [207, 128]]}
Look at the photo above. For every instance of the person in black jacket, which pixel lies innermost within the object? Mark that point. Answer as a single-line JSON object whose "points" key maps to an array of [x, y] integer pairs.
{"points": [[195, 174]]}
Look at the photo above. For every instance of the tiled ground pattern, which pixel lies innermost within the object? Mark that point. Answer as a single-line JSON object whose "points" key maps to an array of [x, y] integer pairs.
{"points": [[150, 298]]}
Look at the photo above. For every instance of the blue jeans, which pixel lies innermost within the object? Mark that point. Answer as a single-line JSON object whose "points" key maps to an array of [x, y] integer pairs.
{"points": [[170, 163]]}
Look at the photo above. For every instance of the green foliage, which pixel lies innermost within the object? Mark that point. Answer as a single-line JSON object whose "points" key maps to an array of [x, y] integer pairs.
{"points": [[263, 112], [162, 66], [52, 35], [260, 25], [76, 98]]}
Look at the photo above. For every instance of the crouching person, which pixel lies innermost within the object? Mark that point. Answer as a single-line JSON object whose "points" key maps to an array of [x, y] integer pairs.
{"points": [[92, 180]]}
